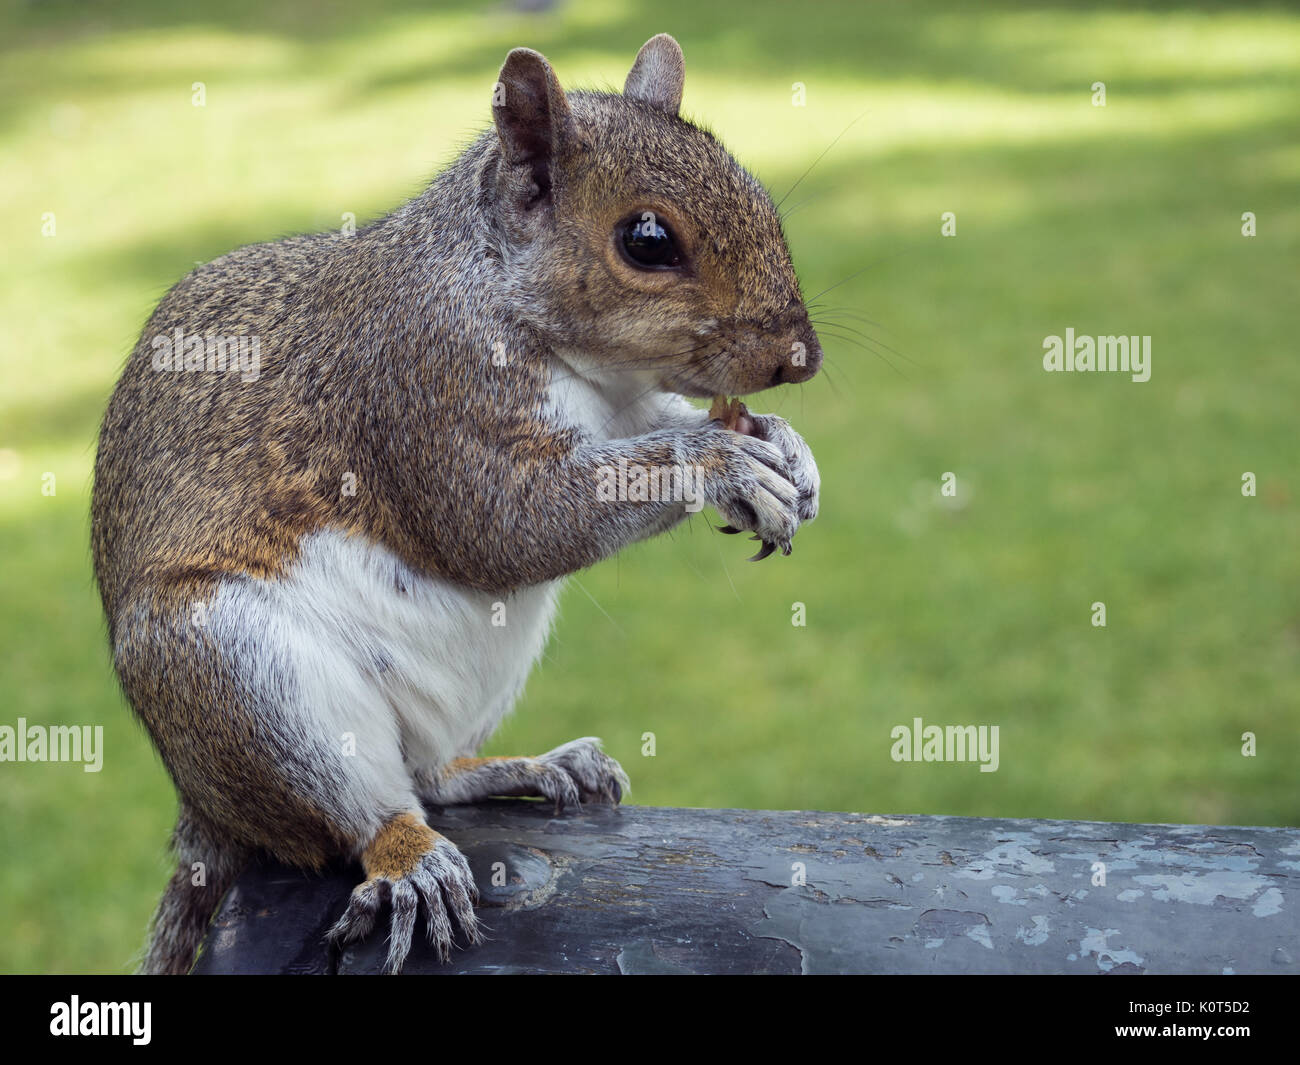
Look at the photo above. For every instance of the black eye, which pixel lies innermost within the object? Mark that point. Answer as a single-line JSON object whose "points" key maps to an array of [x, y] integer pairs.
{"points": [[648, 243]]}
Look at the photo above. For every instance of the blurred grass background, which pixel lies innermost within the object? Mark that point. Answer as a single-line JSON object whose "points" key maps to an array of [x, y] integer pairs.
{"points": [[1071, 488]]}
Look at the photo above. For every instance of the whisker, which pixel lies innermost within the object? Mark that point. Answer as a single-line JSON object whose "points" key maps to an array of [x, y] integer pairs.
{"points": [[807, 199], [866, 337], [844, 313], [621, 631], [625, 365], [859, 273], [818, 160], [630, 403], [830, 380], [864, 346]]}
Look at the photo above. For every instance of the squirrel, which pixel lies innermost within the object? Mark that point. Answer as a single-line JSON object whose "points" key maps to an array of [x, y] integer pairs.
{"points": [[302, 566]]}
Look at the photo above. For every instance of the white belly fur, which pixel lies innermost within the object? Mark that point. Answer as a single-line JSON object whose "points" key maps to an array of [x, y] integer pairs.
{"points": [[353, 650], [401, 661]]}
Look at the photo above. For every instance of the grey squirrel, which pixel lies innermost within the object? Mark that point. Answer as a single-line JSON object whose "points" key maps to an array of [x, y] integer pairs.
{"points": [[300, 566]]}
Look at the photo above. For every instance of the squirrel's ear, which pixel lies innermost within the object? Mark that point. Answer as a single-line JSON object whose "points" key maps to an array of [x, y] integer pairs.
{"points": [[657, 75], [531, 114]]}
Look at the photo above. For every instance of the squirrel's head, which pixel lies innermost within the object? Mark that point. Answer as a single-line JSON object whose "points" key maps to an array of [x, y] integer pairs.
{"points": [[635, 242]]}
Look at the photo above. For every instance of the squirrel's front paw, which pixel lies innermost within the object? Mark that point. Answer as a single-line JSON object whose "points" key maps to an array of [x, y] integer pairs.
{"points": [[410, 866], [799, 460], [592, 775], [748, 481]]}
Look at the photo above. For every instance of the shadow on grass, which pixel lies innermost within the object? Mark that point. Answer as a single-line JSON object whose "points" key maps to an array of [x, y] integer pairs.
{"points": [[1021, 47], [1131, 179]]}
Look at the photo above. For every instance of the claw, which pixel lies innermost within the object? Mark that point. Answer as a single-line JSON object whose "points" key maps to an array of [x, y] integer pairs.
{"points": [[767, 549], [730, 530]]}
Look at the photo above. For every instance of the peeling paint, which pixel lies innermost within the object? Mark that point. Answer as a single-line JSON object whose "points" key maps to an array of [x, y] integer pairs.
{"points": [[1012, 853], [1268, 903], [1006, 894], [948, 894], [1107, 958], [641, 959], [1203, 888], [1036, 936]]}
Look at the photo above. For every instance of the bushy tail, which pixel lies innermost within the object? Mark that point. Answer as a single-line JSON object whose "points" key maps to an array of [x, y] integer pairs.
{"points": [[206, 868]]}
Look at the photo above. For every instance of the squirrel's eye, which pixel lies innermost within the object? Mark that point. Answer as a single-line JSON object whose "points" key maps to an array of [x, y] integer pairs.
{"points": [[649, 244]]}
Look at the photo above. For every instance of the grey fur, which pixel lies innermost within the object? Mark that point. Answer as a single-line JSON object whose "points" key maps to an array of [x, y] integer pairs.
{"points": [[377, 365]]}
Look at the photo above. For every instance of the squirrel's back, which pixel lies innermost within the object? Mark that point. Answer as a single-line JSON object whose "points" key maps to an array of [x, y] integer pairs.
{"points": [[264, 397]]}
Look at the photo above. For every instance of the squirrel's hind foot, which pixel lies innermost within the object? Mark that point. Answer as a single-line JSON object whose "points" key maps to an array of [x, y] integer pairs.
{"points": [[570, 775], [595, 775], [409, 866]]}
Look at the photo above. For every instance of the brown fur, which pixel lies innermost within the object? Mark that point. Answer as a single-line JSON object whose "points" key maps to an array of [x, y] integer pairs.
{"points": [[398, 848], [377, 370], [347, 388]]}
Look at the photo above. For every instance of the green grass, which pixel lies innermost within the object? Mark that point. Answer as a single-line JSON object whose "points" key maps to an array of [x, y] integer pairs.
{"points": [[1071, 488]]}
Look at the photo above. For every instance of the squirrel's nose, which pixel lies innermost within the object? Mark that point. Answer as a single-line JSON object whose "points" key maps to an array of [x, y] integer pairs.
{"points": [[800, 363]]}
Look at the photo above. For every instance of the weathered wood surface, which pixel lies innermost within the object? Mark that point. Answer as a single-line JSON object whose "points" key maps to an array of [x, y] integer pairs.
{"points": [[645, 890]]}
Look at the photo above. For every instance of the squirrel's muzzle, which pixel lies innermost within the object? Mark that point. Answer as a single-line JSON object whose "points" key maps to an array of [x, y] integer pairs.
{"points": [[802, 363], [750, 356], [802, 357]]}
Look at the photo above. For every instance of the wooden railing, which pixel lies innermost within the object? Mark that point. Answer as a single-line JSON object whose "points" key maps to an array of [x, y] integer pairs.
{"points": [[646, 890]]}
